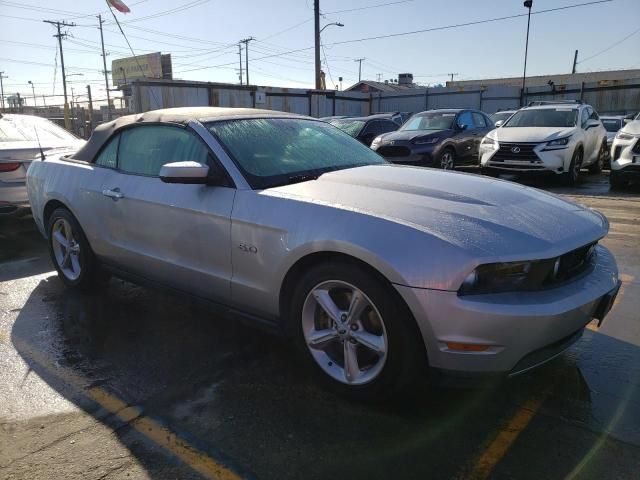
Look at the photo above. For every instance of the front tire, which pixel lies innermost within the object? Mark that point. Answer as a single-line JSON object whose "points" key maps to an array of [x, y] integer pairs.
{"points": [[70, 252], [599, 163], [570, 178], [447, 159], [359, 338]]}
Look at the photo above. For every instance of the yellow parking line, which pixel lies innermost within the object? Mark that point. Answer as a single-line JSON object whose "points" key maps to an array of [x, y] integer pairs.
{"points": [[160, 435], [496, 450]]}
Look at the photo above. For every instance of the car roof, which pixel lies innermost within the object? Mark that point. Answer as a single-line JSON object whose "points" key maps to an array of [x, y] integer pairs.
{"points": [[376, 116], [564, 106], [181, 115]]}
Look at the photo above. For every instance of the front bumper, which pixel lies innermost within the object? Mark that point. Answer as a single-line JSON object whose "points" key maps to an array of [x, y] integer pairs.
{"points": [[625, 157], [555, 160], [515, 326], [417, 155]]}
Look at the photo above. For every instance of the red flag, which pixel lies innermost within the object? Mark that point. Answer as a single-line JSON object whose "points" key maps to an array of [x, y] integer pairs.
{"points": [[119, 5]]}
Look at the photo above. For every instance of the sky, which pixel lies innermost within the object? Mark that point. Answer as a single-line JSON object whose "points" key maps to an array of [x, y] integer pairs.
{"points": [[202, 36]]}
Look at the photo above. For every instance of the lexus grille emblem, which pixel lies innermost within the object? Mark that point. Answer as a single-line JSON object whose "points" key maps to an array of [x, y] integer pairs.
{"points": [[515, 149]]}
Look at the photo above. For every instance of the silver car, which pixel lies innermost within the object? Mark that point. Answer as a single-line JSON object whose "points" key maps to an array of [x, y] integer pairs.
{"points": [[24, 138], [376, 271]]}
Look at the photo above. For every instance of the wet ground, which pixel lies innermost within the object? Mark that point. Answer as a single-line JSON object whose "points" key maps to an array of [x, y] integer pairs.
{"points": [[135, 383]]}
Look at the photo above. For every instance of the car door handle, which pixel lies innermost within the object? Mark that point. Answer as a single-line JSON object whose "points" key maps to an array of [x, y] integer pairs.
{"points": [[115, 193]]}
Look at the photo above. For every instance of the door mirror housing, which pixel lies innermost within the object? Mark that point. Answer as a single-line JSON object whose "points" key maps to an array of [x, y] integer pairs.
{"points": [[499, 123], [591, 123], [462, 127], [185, 172]]}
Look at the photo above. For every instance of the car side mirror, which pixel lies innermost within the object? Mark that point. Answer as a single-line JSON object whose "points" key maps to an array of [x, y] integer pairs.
{"points": [[499, 123], [463, 127], [591, 123], [185, 172]]}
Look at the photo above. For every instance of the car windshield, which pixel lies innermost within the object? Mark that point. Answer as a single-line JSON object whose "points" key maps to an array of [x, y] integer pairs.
{"points": [[500, 116], [430, 121], [611, 124], [544, 117], [279, 151], [351, 127]]}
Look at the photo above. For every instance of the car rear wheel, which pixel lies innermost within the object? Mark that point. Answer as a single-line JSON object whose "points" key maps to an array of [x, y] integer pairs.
{"points": [[448, 159], [598, 165], [570, 178], [360, 339], [70, 252]]}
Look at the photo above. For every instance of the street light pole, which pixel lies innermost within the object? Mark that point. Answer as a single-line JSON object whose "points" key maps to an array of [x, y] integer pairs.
{"points": [[528, 4], [316, 26], [33, 90], [2, 76]]}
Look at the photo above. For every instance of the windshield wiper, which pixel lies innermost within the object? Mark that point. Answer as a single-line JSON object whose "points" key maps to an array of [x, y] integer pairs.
{"points": [[298, 178]]}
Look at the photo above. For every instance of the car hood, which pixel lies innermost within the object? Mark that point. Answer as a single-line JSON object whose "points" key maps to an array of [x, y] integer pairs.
{"points": [[632, 128], [408, 135], [530, 134], [481, 218]]}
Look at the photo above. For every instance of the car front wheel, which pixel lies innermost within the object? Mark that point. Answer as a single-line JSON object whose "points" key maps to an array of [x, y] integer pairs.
{"points": [[598, 165], [570, 177], [356, 334], [448, 159]]}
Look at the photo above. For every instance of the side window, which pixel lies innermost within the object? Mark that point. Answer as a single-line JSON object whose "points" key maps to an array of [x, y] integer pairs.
{"points": [[584, 117], [478, 120], [371, 129], [388, 126], [109, 154], [593, 115], [145, 149], [465, 119]]}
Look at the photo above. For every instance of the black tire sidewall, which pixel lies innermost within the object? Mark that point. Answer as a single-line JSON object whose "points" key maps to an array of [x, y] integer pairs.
{"points": [[405, 355], [453, 157], [87, 262], [568, 177]]}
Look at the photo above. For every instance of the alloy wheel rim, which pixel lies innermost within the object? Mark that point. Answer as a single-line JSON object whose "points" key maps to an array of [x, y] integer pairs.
{"points": [[66, 249], [576, 166], [446, 161], [344, 332]]}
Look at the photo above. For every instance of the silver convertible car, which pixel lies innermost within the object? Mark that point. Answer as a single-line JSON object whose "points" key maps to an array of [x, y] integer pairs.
{"points": [[375, 270]]}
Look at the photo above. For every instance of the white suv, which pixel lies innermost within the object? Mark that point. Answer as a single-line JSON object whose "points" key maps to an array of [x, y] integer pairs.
{"points": [[625, 155], [555, 137]]}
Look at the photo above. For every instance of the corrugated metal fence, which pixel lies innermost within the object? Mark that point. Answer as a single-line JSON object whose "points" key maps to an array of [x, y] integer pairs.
{"points": [[605, 97]]}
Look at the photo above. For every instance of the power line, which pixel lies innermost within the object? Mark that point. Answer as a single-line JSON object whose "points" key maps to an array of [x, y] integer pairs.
{"points": [[368, 7], [609, 47]]}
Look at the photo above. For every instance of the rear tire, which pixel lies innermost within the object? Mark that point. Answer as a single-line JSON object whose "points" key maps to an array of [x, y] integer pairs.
{"points": [[570, 178], [599, 163], [381, 336], [70, 252]]}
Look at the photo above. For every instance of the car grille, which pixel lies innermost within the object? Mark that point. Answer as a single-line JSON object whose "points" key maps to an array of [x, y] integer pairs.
{"points": [[524, 152], [525, 166], [394, 151]]}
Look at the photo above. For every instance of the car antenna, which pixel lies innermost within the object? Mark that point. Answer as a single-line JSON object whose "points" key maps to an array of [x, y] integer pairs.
{"points": [[42, 157]]}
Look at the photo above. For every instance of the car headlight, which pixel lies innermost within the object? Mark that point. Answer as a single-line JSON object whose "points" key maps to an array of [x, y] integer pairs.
{"points": [[495, 278], [376, 141], [488, 141], [624, 136], [426, 141], [559, 142]]}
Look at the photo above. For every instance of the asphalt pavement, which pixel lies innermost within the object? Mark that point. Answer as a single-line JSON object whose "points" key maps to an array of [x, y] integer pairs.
{"points": [[135, 383]]}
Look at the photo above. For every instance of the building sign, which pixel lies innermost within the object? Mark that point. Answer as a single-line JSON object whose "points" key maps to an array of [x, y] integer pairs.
{"points": [[124, 70]]}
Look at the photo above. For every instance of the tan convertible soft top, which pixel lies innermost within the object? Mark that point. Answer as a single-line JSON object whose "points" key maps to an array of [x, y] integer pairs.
{"points": [[169, 115]]}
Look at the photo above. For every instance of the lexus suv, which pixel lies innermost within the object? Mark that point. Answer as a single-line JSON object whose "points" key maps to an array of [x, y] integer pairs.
{"points": [[436, 138], [556, 137], [625, 155]]}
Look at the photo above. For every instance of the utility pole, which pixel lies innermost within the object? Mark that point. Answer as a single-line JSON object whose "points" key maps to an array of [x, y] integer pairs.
{"points": [[575, 62], [33, 91], [240, 57], [246, 55], [44, 101], [359, 60], [378, 77], [453, 75], [527, 4], [59, 36], [2, 76], [316, 19], [90, 109], [105, 71]]}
